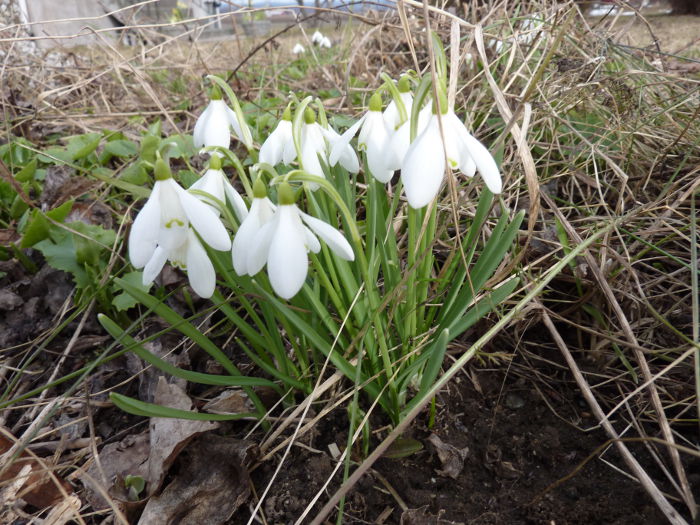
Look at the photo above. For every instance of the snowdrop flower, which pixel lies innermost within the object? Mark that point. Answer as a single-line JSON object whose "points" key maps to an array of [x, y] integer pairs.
{"points": [[284, 241], [313, 145], [325, 42], [279, 145], [261, 212], [298, 48], [392, 117], [317, 37], [212, 126], [424, 166], [215, 183], [164, 230], [401, 139], [373, 138], [346, 156]]}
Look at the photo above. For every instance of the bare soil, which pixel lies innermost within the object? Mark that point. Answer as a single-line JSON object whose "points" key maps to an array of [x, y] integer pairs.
{"points": [[517, 442]]}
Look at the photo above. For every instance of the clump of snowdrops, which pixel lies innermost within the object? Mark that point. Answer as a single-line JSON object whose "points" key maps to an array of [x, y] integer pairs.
{"points": [[327, 258]]}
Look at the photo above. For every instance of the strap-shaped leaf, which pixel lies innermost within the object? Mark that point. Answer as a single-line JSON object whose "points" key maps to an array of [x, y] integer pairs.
{"points": [[141, 408], [195, 377]]}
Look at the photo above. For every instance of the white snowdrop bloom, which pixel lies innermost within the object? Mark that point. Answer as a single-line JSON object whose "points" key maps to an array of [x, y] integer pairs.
{"points": [[298, 48], [313, 144], [392, 116], [315, 141], [346, 156], [213, 125], [261, 212], [401, 138], [279, 145], [373, 138], [424, 167], [164, 231], [325, 42], [317, 37], [215, 183], [284, 242]]}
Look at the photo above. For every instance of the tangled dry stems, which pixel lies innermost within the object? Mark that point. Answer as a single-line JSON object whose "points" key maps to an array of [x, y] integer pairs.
{"points": [[610, 130]]}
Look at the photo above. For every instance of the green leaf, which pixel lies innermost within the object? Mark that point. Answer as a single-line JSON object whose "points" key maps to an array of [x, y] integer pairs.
{"points": [[38, 227], [27, 173], [59, 253], [140, 408], [403, 447], [195, 377], [134, 174], [81, 146], [436, 354], [123, 301], [122, 148], [91, 243]]}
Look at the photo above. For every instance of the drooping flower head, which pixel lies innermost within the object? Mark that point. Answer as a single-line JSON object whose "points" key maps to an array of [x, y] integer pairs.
{"points": [[424, 166], [279, 145], [298, 48], [392, 116], [284, 241], [261, 212], [373, 138], [215, 183], [317, 37], [164, 230], [213, 125]]}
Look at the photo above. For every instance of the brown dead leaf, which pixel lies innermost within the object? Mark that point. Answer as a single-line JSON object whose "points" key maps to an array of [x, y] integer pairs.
{"points": [[170, 436], [8, 236], [211, 484], [231, 401], [451, 457], [60, 185], [64, 512], [31, 479], [118, 460]]}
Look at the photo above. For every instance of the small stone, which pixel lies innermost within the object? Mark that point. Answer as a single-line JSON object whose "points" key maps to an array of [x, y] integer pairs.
{"points": [[514, 401]]}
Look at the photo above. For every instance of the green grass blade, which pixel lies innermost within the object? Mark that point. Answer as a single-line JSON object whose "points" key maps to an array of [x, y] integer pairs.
{"points": [[141, 408]]}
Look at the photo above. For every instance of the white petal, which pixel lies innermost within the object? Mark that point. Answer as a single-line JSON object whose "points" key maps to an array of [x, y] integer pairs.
{"points": [[198, 133], [143, 238], [467, 166], [485, 163], [154, 265], [391, 113], [260, 247], [273, 147], [339, 145], [287, 263], [424, 167], [312, 243], [215, 131], [374, 128], [377, 138], [348, 160], [239, 207], [200, 270], [212, 182], [205, 221], [233, 122], [173, 219], [335, 240], [398, 146], [246, 237], [312, 145]]}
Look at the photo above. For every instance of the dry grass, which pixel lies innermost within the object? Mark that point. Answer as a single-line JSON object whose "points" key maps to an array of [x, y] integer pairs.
{"points": [[611, 132]]}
